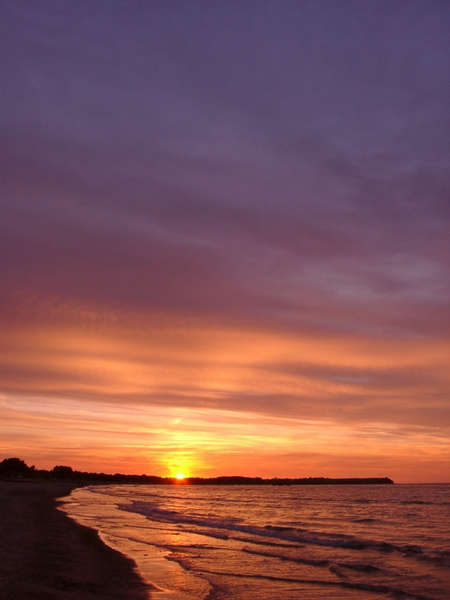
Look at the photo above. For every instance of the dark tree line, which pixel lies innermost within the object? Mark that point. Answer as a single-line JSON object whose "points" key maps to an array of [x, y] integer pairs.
{"points": [[14, 468]]}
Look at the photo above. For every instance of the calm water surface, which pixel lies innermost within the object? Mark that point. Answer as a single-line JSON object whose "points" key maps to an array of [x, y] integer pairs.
{"points": [[270, 543]]}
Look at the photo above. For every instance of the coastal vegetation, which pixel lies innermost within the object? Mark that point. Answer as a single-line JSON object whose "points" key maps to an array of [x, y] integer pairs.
{"points": [[15, 468]]}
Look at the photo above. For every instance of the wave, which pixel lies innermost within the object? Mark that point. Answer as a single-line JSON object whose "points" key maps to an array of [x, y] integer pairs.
{"points": [[297, 559], [218, 535], [361, 567], [369, 587], [438, 557], [272, 543], [285, 534], [113, 490], [354, 566]]}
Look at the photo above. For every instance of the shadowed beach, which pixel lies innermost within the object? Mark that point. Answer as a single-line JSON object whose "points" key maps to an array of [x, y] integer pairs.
{"points": [[47, 556]]}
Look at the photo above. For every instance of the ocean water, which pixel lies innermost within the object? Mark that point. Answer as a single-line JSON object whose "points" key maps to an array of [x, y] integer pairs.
{"points": [[278, 542]]}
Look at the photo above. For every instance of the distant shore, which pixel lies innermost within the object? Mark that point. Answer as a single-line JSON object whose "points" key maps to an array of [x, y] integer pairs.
{"points": [[44, 555]]}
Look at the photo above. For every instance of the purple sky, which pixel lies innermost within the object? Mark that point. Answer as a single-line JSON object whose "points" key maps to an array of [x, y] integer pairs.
{"points": [[175, 174]]}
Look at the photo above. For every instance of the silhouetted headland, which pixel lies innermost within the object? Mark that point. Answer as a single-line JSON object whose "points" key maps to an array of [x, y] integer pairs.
{"points": [[15, 468]]}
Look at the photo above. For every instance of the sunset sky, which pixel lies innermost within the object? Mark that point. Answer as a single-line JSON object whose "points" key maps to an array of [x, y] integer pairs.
{"points": [[224, 237]]}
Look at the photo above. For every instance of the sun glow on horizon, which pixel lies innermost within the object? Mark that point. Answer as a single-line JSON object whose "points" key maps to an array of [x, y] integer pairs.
{"points": [[182, 463]]}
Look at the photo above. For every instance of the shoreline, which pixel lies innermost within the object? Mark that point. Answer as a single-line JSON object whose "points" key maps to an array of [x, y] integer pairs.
{"points": [[46, 555]]}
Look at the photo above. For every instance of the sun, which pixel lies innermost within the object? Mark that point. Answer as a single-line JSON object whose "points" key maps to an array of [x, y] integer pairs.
{"points": [[180, 476]]}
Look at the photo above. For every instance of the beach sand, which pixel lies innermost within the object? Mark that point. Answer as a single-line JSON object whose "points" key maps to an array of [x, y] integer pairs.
{"points": [[44, 555]]}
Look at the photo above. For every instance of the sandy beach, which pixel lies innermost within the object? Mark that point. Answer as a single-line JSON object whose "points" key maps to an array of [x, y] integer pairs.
{"points": [[44, 555]]}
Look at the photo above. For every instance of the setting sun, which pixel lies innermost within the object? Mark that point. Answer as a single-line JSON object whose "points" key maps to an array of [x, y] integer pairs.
{"points": [[179, 476]]}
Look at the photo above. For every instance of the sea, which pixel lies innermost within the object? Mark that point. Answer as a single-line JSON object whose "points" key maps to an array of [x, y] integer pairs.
{"points": [[299, 542]]}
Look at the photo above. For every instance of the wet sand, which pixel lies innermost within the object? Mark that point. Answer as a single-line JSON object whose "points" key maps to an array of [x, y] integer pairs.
{"points": [[44, 555]]}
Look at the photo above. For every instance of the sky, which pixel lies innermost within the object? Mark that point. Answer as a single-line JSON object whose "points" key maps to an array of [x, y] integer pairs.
{"points": [[224, 237]]}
